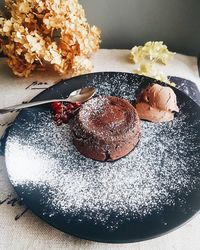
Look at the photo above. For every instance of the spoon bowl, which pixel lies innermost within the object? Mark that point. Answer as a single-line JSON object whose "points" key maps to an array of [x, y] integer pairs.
{"points": [[82, 95]]}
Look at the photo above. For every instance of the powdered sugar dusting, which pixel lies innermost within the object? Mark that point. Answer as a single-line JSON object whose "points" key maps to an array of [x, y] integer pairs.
{"points": [[146, 180], [93, 107], [41, 156]]}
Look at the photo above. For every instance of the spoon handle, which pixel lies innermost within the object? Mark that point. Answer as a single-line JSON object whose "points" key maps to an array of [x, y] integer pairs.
{"points": [[30, 104]]}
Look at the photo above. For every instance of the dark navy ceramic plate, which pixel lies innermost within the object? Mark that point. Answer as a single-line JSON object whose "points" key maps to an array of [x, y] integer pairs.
{"points": [[153, 190]]}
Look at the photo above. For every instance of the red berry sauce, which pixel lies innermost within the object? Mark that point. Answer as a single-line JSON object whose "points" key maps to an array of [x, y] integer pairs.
{"points": [[64, 111]]}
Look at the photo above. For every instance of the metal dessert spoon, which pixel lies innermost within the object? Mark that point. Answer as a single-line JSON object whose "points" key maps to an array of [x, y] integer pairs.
{"points": [[79, 95]]}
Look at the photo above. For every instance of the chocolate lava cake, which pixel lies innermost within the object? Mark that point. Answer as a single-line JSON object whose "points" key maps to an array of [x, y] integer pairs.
{"points": [[106, 128]]}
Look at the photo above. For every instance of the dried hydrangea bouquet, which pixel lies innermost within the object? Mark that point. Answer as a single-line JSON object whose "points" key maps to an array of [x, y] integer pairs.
{"points": [[43, 33]]}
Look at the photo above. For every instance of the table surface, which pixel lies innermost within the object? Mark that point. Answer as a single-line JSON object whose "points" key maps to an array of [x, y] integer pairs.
{"points": [[30, 232]]}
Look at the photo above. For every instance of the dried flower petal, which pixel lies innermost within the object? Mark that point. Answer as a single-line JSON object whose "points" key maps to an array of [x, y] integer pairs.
{"points": [[150, 70], [81, 65], [154, 51], [148, 56], [46, 32]]}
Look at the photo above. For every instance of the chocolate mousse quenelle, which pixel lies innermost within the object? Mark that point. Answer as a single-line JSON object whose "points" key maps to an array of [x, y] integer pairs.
{"points": [[157, 104]]}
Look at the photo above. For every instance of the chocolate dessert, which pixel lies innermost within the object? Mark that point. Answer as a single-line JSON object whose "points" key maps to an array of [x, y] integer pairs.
{"points": [[106, 128], [157, 103]]}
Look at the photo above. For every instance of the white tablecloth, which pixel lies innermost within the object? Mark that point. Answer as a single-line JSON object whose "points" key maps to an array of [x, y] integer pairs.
{"points": [[30, 232]]}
